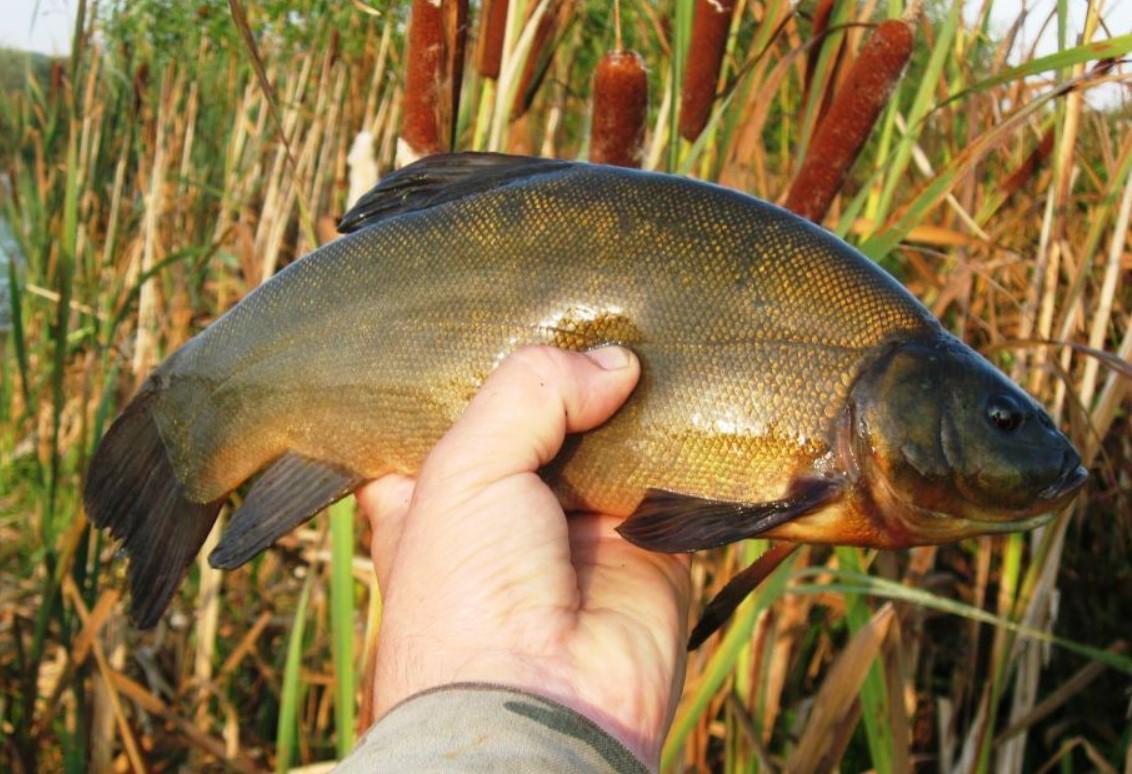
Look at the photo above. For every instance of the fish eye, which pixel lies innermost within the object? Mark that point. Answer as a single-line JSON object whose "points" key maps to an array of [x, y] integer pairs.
{"points": [[1005, 413]]}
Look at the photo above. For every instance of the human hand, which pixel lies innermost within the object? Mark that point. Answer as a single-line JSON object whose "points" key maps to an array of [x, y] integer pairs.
{"points": [[486, 580]]}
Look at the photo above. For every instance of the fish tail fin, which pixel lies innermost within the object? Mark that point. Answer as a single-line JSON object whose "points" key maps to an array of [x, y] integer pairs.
{"points": [[132, 489]]}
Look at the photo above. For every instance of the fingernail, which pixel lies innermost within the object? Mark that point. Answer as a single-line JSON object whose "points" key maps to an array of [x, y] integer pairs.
{"points": [[610, 358]]}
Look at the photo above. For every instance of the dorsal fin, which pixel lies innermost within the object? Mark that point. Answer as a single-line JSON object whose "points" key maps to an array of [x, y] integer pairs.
{"points": [[439, 179]]}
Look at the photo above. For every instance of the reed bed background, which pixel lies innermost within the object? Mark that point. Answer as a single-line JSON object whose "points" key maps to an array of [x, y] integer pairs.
{"points": [[186, 151]]}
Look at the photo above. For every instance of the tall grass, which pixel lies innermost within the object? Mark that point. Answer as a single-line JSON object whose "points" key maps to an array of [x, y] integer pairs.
{"points": [[155, 177]]}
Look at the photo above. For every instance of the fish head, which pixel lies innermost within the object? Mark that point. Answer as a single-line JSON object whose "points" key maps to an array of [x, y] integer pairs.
{"points": [[948, 447]]}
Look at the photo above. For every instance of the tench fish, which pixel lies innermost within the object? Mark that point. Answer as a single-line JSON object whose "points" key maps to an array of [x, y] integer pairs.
{"points": [[790, 388]]}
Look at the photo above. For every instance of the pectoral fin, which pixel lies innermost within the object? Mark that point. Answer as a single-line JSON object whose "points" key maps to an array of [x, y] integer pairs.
{"points": [[287, 494], [675, 523], [724, 603]]}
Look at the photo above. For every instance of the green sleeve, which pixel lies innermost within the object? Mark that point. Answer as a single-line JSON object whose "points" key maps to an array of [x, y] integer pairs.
{"points": [[485, 728]]}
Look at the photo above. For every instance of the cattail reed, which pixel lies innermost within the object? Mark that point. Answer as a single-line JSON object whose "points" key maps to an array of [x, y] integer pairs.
{"points": [[620, 99], [822, 13], [1030, 165], [543, 44], [493, 29], [710, 25], [434, 69], [844, 129]]}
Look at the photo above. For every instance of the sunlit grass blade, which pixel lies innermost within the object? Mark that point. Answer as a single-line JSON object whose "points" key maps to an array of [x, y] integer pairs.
{"points": [[292, 686], [922, 104], [723, 659], [1089, 52], [914, 212], [342, 621], [857, 583], [831, 717], [873, 690]]}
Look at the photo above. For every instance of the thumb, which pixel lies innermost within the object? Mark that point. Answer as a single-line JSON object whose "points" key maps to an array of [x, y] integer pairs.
{"points": [[520, 417]]}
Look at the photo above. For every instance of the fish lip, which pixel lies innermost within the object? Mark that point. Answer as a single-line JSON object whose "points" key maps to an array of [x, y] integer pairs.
{"points": [[1072, 478]]}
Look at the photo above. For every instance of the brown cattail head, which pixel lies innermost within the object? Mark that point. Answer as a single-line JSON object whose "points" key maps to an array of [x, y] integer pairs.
{"points": [[620, 100], [846, 126], [710, 25], [493, 29], [434, 69]]}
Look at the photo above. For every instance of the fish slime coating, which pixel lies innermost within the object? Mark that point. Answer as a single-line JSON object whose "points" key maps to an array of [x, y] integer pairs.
{"points": [[790, 388]]}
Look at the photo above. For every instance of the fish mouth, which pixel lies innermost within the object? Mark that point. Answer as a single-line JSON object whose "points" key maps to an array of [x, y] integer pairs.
{"points": [[1073, 476]]}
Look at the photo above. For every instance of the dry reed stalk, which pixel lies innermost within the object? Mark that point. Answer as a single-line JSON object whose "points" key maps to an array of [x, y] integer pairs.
{"points": [[655, 154], [103, 721], [789, 624], [129, 741], [375, 90], [387, 150], [554, 115], [522, 27], [323, 133], [1040, 294], [145, 347], [710, 24], [1073, 305], [747, 144], [192, 106], [920, 158], [363, 167], [901, 699], [79, 650], [823, 10], [1029, 166], [207, 621], [300, 175], [489, 46], [434, 63], [540, 53], [233, 154], [845, 127], [1102, 310], [1040, 611], [370, 638], [832, 716], [620, 102], [272, 209], [1067, 690], [851, 47], [1116, 386], [144, 699], [331, 147]]}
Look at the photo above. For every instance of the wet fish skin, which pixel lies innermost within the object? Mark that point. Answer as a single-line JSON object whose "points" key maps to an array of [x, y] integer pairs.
{"points": [[781, 371]]}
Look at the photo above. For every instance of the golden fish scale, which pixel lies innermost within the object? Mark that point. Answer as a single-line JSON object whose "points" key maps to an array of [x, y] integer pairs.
{"points": [[751, 326]]}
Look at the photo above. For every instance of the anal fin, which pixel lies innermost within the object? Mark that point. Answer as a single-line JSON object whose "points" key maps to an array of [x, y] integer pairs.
{"points": [[724, 603], [291, 491], [676, 523]]}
